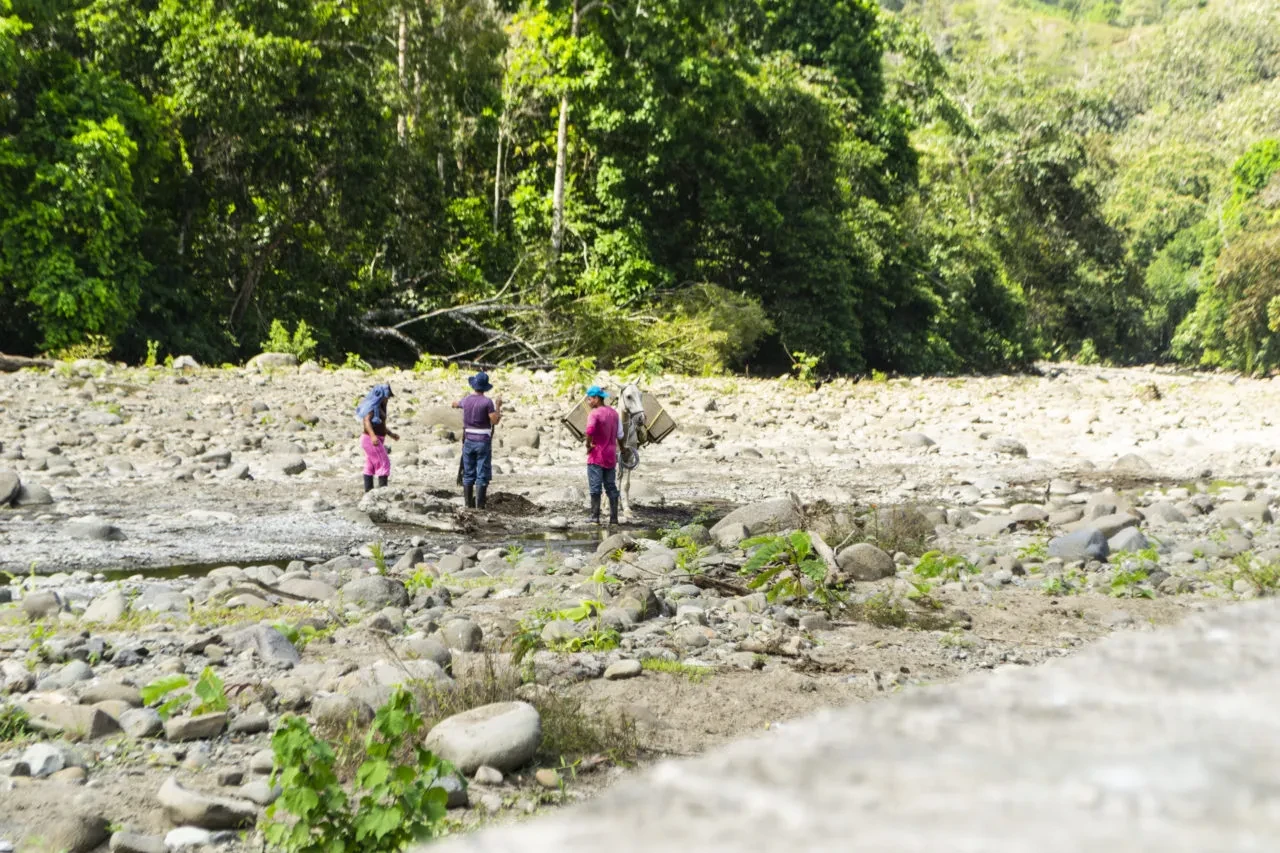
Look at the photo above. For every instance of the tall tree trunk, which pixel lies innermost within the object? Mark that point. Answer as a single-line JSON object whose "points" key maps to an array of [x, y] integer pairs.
{"points": [[402, 58], [497, 180], [562, 154]]}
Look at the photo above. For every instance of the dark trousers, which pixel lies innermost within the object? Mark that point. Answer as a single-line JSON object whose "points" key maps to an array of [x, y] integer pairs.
{"points": [[602, 479], [477, 463]]}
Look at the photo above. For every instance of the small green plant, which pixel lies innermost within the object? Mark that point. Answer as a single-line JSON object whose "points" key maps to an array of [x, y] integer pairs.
{"points": [[573, 375], [884, 610], [804, 366], [355, 362], [15, 724], [379, 557], [392, 803], [1036, 552], [595, 637], [1060, 585], [93, 346], [208, 691], [300, 343], [935, 565], [601, 576], [514, 555], [955, 640], [644, 366], [879, 377], [1264, 578], [420, 579], [1088, 353], [785, 566], [301, 636], [427, 363], [1127, 584], [168, 361], [696, 674], [153, 351]]}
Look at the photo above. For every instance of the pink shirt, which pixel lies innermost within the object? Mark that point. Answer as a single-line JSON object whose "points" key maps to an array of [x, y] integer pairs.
{"points": [[602, 430]]}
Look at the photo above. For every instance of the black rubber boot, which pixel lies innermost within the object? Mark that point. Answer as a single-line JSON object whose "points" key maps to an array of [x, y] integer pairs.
{"points": [[368, 482], [481, 494], [613, 511], [469, 496], [595, 510], [382, 482]]}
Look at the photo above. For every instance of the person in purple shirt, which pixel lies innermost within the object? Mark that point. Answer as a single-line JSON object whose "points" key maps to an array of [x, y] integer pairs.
{"points": [[479, 416], [603, 426]]}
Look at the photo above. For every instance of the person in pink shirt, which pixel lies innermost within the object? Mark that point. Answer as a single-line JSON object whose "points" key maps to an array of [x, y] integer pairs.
{"points": [[602, 453]]}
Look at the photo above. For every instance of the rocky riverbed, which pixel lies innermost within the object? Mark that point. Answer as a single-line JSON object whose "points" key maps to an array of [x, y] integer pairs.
{"points": [[210, 524]]}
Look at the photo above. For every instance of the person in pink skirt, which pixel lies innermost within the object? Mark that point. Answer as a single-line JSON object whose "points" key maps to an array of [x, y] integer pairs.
{"points": [[372, 413]]}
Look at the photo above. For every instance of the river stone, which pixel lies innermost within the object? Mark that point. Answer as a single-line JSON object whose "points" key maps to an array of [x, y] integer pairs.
{"points": [[308, 588], [1163, 511], [1252, 511], [764, 517], [9, 487], [132, 842], [462, 635], [273, 361], [106, 608], [1133, 465], [141, 723], [1008, 447], [77, 720], [992, 525], [32, 494], [1110, 525], [375, 592], [336, 711], [272, 646], [1129, 539], [43, 759], [97, 531], [186, 807], [865, 562], [75, 833], [41, 604], [202, 727], [915, 439], [623, 669], [504, 736], [1087, 544]]}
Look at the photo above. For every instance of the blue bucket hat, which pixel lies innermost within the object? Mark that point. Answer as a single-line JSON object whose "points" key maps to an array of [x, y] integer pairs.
{"points": [[597, 391], [480, 382]]}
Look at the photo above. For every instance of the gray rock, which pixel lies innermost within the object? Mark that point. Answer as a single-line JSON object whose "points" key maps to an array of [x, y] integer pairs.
{"points": [[32, 494], [764, 517], [865, 562], [455, 788], [313, 590], [992, 525], [432, 648], [132, 842], [106, 608], [9, 487], [488, 776], [1110, 525], [97, 531], [1129, 539], [72, 673], [80, 721], [1164, 512], [41, 604], [186, 807], [1008, 447], [271, 646], [43, 759], [623, 669], [287, 465], [408, 561], [462, 635], [917, 440], [1087, 544], [258, 791], [690, 637], [335, 711], [77, 832], [730, 535], [201, 727], [375, 592], [1133, 465], [1256, 512], [187, 838], [505, 736], [273, 361]]}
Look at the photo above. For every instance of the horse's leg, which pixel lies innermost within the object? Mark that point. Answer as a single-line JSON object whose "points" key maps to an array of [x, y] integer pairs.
{"points": [[626, 494]]}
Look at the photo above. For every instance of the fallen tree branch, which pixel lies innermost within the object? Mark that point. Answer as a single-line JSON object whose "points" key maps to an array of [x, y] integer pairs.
{"points": [[13, 363]]}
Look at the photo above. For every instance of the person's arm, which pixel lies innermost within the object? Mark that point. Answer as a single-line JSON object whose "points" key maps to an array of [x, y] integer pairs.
{"points": [[368, 429], [593, 429], [456, 404], [495, 416]]}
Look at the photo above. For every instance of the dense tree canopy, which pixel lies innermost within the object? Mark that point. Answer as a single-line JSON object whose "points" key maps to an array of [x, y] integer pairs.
{"points": [[703, 184]]}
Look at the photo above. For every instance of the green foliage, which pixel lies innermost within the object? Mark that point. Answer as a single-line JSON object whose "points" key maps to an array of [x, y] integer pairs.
{"points": [[789, 567], [355, 362], [392, 802], [574, 375], [422, 578], [642, 367], [153, 352], [1036, 552], [695, 674], [14, 724], [93, 346], [300, 343], [379, 557], [515, 553], [594, 637], [804, 365], [206, 697], [1127, 584], [935, 565]]}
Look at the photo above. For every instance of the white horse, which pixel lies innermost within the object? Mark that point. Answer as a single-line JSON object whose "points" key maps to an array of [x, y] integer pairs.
{"points": [[632, 433]]}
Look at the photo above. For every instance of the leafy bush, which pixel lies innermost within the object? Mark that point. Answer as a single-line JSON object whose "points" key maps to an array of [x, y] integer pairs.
{"points": [[595, 638], [355, 362], [804, 365], [574, 375], [788, 567], [153, 352], [300, 343], [93, 346], [392, 802], [208, 691], [935, 565]]}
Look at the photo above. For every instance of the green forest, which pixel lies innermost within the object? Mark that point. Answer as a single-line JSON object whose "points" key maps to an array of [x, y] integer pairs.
{"points": [[923, 186]]}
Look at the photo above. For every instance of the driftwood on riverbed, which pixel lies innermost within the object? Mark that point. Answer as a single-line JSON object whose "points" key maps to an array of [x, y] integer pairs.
{"points": [[12, 363]]}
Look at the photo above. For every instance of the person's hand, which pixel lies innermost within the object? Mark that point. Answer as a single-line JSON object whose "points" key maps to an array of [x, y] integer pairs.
{"points": [[497, 401], [375, 440], [393, 435]]}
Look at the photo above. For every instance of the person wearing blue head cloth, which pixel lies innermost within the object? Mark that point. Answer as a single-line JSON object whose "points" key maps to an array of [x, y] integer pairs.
{"points": [[372, 414], [479, 416]]}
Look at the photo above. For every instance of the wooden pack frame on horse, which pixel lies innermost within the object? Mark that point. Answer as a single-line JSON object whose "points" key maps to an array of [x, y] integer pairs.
{"points": [[659, 424]]}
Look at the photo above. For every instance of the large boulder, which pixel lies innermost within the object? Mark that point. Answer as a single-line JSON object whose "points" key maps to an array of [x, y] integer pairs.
{"points": [[1087, 544], [9, 487], [185, 807], [375, 592], [504, 736], [273, 361], [1256, 512], [768, 516], [107, 608], [865, 562], [32, 494]]}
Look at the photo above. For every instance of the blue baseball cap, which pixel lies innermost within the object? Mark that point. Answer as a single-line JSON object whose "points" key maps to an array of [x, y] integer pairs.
{"points": [[597, 391]]}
